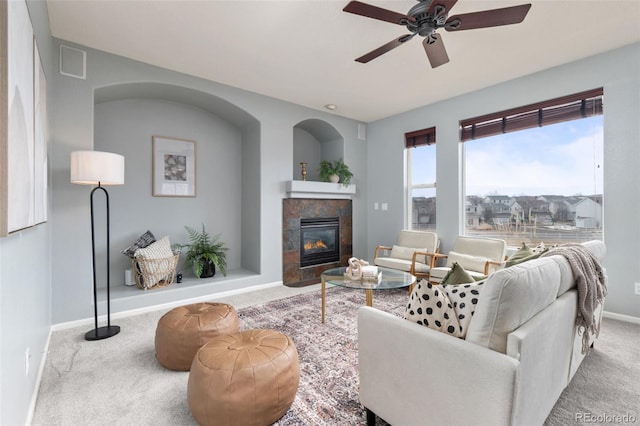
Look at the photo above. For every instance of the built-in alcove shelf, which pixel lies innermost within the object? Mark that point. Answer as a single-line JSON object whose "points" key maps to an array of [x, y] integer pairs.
{"points": [[312, 189], [127, 298]]}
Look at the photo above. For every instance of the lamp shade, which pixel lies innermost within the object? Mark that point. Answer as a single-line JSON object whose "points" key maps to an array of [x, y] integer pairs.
{"points": [[97, 167]]}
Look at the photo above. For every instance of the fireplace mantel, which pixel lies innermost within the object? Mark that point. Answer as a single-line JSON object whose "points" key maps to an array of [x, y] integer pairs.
{"points": [[311, 189]]}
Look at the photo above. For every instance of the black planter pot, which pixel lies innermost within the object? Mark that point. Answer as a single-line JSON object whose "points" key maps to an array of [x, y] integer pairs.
{"points": [[208, 269]]}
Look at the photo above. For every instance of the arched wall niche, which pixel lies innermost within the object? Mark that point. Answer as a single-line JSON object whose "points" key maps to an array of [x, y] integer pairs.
{"points": [[206, 101], [315, 140], [227, 143]]}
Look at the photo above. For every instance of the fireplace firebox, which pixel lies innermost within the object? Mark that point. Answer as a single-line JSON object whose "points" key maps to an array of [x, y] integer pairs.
{"points": [[319, 241]]}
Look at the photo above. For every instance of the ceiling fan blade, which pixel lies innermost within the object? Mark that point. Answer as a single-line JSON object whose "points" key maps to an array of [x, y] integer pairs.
{"points": [[488, 18], [435, 50], [375, 12], [447, 4], [384, 48]]}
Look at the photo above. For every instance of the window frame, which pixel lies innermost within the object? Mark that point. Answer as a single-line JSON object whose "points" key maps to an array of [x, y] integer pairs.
{"points": [[416, 139]]}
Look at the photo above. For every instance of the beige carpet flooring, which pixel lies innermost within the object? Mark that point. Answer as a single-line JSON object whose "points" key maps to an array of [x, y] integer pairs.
{"points": [[118, 381]]}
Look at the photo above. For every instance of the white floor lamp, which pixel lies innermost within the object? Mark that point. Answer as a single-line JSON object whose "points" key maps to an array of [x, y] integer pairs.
{"points": [[98, 168]]}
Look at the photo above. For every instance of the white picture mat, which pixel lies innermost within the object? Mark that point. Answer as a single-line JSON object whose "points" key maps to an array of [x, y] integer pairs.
{"points": [[174, 167], [20, 140], [41, 137]]}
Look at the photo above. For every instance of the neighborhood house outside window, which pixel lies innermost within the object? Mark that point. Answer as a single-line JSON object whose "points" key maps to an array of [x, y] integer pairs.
{"points": [[421, 178], [535, 174]]}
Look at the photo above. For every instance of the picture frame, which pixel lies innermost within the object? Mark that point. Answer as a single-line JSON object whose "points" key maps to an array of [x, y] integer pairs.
{"points": [[174, 167], [23, 123]]}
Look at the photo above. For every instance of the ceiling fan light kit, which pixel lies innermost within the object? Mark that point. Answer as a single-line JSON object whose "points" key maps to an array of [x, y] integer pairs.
{"points": [[426, 17]]}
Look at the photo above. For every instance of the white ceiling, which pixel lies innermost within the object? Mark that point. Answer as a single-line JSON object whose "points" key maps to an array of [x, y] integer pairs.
{"points": [[304, 51]]}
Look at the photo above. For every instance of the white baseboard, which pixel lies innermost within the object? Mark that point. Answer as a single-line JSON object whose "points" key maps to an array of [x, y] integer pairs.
{"points": [[36, 389], [176, 303], [621, 317]]}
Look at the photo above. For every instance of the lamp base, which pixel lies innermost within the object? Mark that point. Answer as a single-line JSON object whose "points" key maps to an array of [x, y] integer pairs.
{"points": [[102, 332]]}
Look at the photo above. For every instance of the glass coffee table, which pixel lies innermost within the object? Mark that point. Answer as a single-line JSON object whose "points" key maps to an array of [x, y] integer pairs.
{"points": [[391, 279]]}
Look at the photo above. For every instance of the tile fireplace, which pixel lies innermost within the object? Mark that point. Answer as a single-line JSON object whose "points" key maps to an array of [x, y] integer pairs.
{"points": [[317, 235]]}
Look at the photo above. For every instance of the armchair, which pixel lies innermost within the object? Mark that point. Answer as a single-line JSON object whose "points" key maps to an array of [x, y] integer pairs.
{"points": [[413, 253], [478, 256]]}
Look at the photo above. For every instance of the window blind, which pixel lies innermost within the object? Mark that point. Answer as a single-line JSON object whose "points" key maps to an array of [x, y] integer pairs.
{"points": [[566, 108], [420, 137]]}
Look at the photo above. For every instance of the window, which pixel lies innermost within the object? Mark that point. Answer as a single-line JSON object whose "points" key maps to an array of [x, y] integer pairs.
{"points": [[421, 178], [534, 174]]}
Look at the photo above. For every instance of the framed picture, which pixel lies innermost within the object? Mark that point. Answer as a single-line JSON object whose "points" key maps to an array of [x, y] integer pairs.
{"points": [[23, 123], [174, 167]]}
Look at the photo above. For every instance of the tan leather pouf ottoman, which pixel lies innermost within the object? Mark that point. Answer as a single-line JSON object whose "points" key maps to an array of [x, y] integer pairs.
{"points": [[183, 330], [249, 379]]}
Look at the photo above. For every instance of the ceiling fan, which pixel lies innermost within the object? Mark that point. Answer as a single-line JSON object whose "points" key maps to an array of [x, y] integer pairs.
{"points": [[428, 16]]}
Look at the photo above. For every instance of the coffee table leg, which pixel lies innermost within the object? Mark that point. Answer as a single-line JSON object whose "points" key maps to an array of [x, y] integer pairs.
{"points": [[369, 297], [324, 286]]}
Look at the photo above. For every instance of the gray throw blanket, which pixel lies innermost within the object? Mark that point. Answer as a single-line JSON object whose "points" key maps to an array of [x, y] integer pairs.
{"points": [[591, 285]]}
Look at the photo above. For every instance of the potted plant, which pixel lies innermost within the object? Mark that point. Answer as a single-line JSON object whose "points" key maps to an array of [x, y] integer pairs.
{"points": [[205, 253], [335, 171]]}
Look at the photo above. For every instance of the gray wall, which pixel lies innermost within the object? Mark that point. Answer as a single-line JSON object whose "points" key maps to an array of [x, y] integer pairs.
{"points": [[25, 282], [126, 127], [250, 133], [617, 71]]}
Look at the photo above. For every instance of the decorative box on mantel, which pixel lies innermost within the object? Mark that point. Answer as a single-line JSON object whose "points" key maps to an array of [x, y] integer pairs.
{"points": [[311, 189]]}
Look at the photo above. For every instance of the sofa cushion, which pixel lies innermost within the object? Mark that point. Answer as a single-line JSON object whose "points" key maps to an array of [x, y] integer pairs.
{"points": [[468, 262], [400, 252], [510, 298], [430, 306]]}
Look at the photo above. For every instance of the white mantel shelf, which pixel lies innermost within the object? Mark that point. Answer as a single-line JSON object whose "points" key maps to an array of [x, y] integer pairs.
{"points": [[311, 189]]}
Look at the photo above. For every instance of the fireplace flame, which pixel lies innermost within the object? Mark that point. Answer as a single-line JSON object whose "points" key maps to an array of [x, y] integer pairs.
{"points": [[319, 244]]}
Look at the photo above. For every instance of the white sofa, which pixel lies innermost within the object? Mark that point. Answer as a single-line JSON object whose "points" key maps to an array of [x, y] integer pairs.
{"points": [[520, 352]]}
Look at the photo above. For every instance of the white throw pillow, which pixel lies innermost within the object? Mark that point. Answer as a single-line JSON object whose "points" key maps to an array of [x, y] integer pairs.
{"points": [[399, 252], [155, 262], [468, 262], [430, 306]]}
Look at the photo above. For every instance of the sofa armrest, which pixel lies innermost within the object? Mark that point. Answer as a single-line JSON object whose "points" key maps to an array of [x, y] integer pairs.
{"points": [[379, 249], [410, 374]]}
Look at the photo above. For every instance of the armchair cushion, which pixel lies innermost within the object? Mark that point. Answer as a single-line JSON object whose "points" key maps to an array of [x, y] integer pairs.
{"points": [[400, 252], [467, 261], [401, 264]]}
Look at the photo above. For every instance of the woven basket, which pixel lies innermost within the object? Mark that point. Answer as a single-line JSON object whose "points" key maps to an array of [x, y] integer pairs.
{"points": [[156, 272]]}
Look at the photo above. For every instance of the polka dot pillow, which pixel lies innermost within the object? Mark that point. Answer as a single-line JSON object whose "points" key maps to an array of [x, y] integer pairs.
{"points": [[448, 309], [429, 306], [464, 298]]}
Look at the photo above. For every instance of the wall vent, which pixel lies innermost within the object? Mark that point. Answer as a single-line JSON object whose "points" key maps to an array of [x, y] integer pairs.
{"points": [[362, 131], [73, 62]]}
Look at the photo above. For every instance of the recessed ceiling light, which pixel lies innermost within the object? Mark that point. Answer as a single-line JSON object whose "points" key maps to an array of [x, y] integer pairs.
{"points": [[330, 107]]}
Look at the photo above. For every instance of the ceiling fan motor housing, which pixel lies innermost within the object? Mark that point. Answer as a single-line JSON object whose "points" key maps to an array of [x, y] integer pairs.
{"points": [[423, 22]]}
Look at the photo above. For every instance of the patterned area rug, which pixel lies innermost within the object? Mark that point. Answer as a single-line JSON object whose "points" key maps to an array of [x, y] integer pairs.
{"points": [[328, 353]]}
